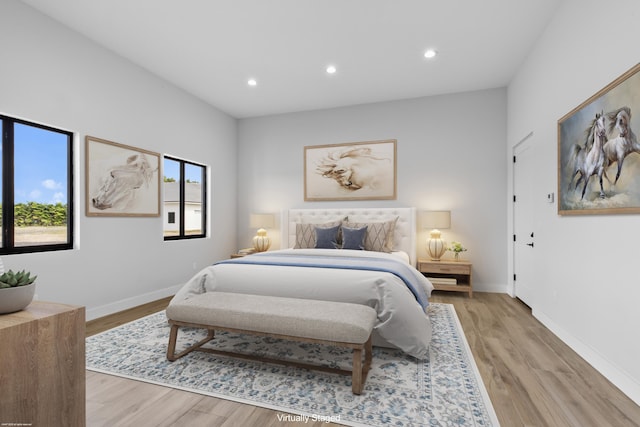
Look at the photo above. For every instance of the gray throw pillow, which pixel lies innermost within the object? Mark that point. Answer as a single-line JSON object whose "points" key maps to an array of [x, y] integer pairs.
{"points": [[353, 238], [327, 238]]}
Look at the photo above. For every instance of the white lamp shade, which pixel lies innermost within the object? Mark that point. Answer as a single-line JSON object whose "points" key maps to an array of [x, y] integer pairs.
{"points": [[436, 219], [262, 221]]}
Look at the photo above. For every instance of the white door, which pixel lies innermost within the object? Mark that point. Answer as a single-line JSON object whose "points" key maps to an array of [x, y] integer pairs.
{"points": [[524, 234]]}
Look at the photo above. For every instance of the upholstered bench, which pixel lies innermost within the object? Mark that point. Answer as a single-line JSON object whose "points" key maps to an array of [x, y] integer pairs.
{"points": [[333, 323]]}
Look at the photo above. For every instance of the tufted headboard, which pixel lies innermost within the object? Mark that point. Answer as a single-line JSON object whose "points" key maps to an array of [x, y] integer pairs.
{"points": [[404, 235]]}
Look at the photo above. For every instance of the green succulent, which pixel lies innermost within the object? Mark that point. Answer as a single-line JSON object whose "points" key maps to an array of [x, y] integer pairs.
{"points": [[10, 279]]}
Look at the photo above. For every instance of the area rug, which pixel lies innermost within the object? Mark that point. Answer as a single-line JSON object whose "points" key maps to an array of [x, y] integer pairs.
{"points": [[443, 390]]}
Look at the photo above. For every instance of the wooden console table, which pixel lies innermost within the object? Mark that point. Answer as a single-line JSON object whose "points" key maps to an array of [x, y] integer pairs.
{"points": [[43, 366]]}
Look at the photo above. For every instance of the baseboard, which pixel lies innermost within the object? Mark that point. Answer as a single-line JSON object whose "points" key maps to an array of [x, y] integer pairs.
{"points": [[619, 378], [511, 290], [495, 288], [114, 307]]}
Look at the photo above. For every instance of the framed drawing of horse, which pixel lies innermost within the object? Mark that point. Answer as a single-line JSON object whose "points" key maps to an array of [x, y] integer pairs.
{"points": [[120, 180], [599, 152], [350, 171]]}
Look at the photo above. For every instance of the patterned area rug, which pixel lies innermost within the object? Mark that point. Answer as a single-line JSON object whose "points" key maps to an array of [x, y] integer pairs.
{"points": [[443, 390]]}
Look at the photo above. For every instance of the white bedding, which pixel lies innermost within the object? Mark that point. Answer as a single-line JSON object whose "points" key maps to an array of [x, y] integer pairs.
{"points": [[401, 322]]}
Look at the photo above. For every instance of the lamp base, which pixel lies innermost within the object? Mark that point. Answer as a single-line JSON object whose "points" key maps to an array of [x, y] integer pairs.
{"points": [[436, 248], [261, 241]]}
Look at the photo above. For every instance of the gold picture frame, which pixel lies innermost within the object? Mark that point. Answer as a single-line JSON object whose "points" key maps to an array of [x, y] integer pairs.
{"points": [[596, 174], [351, 171], [120, 180]]}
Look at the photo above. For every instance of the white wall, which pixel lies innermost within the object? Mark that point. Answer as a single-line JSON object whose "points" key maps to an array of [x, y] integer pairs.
{"points": [[54, 76], [586, 267], [450, 156]]}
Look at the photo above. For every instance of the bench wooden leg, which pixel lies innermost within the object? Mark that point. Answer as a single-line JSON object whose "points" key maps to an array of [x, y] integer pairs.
{"points": [[360, 371], [173, 336], [368, 354], [356, 376], [171, 348]]}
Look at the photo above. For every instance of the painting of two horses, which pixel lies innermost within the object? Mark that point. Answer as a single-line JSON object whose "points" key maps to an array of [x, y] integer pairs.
{"points": [[121, 180], [599, 152], [351, 171]]}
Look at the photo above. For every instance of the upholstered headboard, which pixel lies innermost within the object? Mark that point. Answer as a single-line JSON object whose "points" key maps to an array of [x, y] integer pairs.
{"points": [[404, 235]]}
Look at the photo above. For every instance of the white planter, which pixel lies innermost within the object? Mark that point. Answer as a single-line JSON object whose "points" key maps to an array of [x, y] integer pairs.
{"points": [[15, 299]]}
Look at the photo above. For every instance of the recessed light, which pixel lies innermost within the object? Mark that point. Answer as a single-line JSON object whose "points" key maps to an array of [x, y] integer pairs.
{"points": [[331, 69], [252, 82], [430, 53]]}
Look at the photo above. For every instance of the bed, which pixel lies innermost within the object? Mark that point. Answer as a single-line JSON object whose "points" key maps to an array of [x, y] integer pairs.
{"points": [[382, 277]]}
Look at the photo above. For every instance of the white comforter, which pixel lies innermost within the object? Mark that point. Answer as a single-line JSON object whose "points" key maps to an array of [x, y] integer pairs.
{"points": [[401, 323]]}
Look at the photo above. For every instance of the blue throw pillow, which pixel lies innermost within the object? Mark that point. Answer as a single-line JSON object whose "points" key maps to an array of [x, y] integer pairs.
{"points": [[327, 237], [353, 238]]}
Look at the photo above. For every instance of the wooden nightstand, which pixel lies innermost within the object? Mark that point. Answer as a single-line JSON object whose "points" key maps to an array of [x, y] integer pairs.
{"points": [[242, 252], [460, 271], [237, 255]]}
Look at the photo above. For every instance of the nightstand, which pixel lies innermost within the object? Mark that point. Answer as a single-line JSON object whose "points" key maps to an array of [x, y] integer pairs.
{"points": [[237, 255], [448, 275], [243, 252]]}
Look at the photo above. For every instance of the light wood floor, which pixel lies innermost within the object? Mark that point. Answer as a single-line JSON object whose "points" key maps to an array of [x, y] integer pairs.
{"points": [[533, 378]]}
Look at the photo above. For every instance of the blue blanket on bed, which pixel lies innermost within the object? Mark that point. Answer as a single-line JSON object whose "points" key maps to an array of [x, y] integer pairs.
{"points": [[409, 275]]}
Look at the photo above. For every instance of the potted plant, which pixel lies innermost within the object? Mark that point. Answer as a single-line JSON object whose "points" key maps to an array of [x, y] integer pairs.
{"points": [[456, 248], [16, 290]]}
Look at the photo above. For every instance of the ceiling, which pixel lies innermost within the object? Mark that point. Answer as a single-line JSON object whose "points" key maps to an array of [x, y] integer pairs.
{"points": [[210, 48]]}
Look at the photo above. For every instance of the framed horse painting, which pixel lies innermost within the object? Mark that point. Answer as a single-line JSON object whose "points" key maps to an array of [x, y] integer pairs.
{"points": [[599, 152], [351, 171], [120, 180]]}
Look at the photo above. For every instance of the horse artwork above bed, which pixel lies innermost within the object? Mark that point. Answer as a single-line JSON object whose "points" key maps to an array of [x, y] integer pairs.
{"points": [[361, 256]]}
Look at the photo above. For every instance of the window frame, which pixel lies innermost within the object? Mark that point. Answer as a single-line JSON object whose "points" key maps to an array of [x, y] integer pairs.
{"points": [[8, 246], [181, 208]]}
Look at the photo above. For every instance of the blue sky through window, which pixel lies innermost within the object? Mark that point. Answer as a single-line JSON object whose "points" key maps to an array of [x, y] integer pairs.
{"points": [[172, 170], [40, 165]]}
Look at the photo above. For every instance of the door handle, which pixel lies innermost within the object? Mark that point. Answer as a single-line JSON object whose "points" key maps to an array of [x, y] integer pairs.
{"points": [[530, 244]]}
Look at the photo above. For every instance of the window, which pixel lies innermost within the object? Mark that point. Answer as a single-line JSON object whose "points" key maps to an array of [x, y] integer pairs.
{"points": [[185, 199], [37, 187]]}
